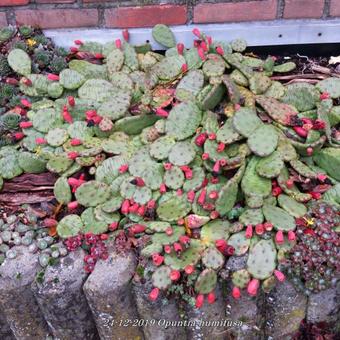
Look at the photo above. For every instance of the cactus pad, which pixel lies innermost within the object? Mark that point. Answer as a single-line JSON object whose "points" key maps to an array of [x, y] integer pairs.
{"points": [[163, 35], [262, 259], [206, 281], [263, 141], [241, 278], [251, 216], [92, 193], [173, 209], [290, 205], [270, 166], [161, 277], [331, 86], [240, 243], [279, 218], [245, 121], [182, 153], [212, 258], [20, 62], [69, 226]]}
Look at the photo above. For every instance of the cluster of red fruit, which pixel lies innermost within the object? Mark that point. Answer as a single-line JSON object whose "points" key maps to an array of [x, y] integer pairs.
{"points": [[95, 246]]}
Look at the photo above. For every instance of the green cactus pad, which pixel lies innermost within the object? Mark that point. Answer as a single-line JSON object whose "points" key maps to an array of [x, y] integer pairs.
{"points": [[173, 209], [9, 167], [92, 193], [182, 153], [161, 277], [196, 181], [303, 96], [214, 66], [302, 169], [174, 178], [91, 224], [56, 137], [131, 58], [251, 216], [206, 281], [286, 149], [112, 205], [252, 183], [58, 163], [210, 96], [102, 216], [150, 249], [240, 243], [46, 119], [245, 121], [20, 62], [70, 225], [290, 205], [241, 278], [163, 35], [259, 83], [161, 147], [212, 258], [142, 195], [135, 125], [329, 160], [114, 61], [31, 163], [278, 111], [262, 259], [116, 107], [331, 86], [190, 85], [238, 45], [71, 79], [284, 68], [164, 239], [98, 90], [157, 226], [227, 133], [190, 256], [192, 59], [169, 67], [227, 198], [87, 69], [121, 80], [270, 166], [183, 120], [276, 90], [263, 141], [279, 218]]}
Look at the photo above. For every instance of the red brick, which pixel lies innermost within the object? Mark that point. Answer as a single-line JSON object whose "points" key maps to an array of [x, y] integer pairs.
{"points": [[3, 20], [334, 10], [295, 9], [54, 1], [13, 2], [58, 18], [240, 11], [145, 16]]}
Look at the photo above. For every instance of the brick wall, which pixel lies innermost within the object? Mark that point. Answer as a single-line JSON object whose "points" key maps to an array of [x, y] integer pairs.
{"points": [[144, 13]]}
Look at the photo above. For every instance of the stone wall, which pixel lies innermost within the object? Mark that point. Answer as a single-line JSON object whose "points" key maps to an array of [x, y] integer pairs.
{"points": [[108, 304], [145, 13]]}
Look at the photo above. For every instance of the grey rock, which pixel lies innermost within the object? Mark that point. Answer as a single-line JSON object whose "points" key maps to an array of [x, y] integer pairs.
{"points": [[16, 298], [62, 300], [246, 313], [5, 331], [286, 308], [109, 293], [209, 321], [324, 306], [235, 263], [159, 312]]}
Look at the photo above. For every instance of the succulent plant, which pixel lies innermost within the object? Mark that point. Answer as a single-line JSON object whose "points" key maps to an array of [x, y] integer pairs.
{"points": [[196, 155]]}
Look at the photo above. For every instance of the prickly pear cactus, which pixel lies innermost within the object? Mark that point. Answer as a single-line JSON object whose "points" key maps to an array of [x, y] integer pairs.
{"points": [[192, 156]]}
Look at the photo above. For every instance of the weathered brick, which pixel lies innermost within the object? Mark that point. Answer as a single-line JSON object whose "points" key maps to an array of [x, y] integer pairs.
{"points": [[13, 2], [58, 18], [295, 9], [334, 10], [3, 19], [145, 16], [54, 1], [240, 11]]}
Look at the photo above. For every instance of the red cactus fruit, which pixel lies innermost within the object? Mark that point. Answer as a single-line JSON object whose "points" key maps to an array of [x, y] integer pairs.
{"points": [[268, 226], [219, 50], [141, 210], [71, 101], [25, 125], [162, 188], [67, 117], [177, 247], [253, 286], [53, 77], [180, 48], [322, 177], [220, 147], [136, 229], [75, 142], [214, 214], [167, 249], [118, 43], [236, 293], [279, 239], [279, 275], [196, 32], [217, 167], [202, 196], [113, 226], [325, 95], [205, 156], [201, 53], [125, 207], [78, 42], [184, 239], [290, 183], [157, 259], [154, 294], [199, 300], [72, 155], [162, 113], [40, 141], [123, 168], [18, 135], [315, 195], [200, 139], [211, 298], [259, 229], [25, 103], [277, 191], [310, 151], [189, 269], [175, 275], [73, 205], [249, 231], [191, 196], [126, 35], [291, 235], [151, 204], [167, 166], [73, 49], [50, 222], [204, 46], [169, 231], [184, 68], [212, 136], [300, 131]]}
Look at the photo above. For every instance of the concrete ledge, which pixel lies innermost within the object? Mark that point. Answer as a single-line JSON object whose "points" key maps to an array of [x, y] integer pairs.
{"points": [[277, 32]]}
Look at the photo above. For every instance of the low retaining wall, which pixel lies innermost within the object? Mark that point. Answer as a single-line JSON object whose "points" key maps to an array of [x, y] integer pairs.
{"points": [[146, 13], [108, 304]]}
